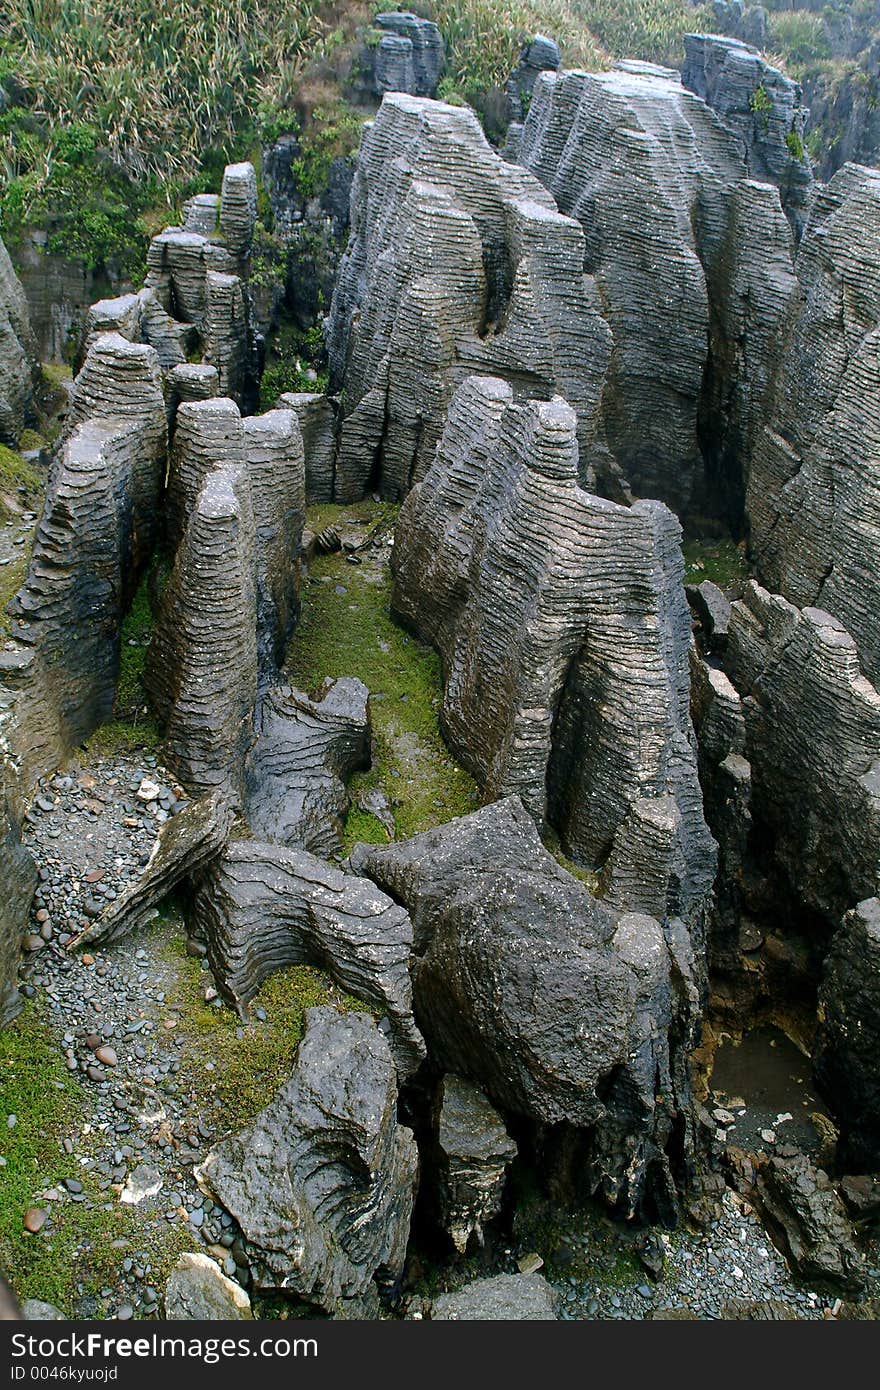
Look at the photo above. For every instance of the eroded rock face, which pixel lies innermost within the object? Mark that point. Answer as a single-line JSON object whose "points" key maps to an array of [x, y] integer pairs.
{"points": [[760, 105], [472, 1153], [587, 1021], [18, 354], [303, 757], [557, 614], [93, 540], [848, 1038], [18, 874], [322, 1182], [458, 262], [809, 1222], [317, 422], [691, 262], [261, 907], [814, 482], [410, 55], [540, 54]]}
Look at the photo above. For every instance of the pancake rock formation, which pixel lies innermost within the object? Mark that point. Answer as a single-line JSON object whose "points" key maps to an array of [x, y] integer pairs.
{"points": [[18, 354]]}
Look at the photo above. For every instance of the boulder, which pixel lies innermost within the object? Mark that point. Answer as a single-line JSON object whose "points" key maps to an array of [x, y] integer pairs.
{"points": [[848, 1037], [260, 908], [506, 1298], [18, 354], [198, 1291], [322, 1182], [556, 613], [809, 1223], [587, 1021], [472, 1152], [35, 1310]]}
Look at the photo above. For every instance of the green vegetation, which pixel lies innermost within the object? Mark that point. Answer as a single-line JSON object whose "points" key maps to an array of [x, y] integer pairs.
{"points": [[334, 129], [795, 145], [16, 473], [351, 633], [132, 725], [290, 355], [722, 561], [800, 36]]}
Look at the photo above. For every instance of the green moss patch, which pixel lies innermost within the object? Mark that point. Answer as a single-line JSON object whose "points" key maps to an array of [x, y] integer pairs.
{"points": [[722, 561]]}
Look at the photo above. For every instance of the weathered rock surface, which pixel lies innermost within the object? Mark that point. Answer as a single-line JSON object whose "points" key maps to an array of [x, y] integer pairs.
{"points": [[540, 54], [814, 482], [506, 1298], [198, 1291], [458, 262], [691, 264], [18, 354], [18, 875], [586, 1020], [261, 907], [322, 1182], [809, 1222], [301, 761], [471, 1155], [273, 450], [184, 844], [316, 414], [94, 538], [410, 54], [848, 1038], [557, 614], [762, 107]]}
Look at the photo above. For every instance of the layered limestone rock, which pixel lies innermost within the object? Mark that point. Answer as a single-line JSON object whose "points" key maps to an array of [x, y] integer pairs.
{"points": [[237, 213], [691, 262], [587, 1021], [303, 757], [93, 540], [471, 1153], [18, 354], [762, 107], [814, 481], [557, 614], [316, 414], [409, 56], [458, 262], [540, 54], [848, 1038], [261, 908], [273, 450], [322, 1182]]}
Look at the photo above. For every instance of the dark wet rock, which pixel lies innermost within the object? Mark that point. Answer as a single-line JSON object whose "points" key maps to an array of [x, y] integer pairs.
{"points": [[848, 1037], [540, 54], [588, 1021], [813, 480], [809, 1222], [91, 546], [304, 754], [316, 414], [458, 262], [322, 1182], [861, 1196], [18, 354], [762, 107], [556, 614], [198, 1291], [713, 609], [690, 260], [18, 874], [185, 843], [409, 56], [506, 1298], [471, 1154], [261, 907]]}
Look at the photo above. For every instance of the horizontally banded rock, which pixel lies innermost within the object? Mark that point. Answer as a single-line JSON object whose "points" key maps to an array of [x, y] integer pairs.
{"points": [[18, 875], [322, 1182], [505, 1298], [558, 1007], [762, 107], [18, 354], [191, 381], [691, 266], [238, 208], [316, 414], [471, 1153], [261, 907], [207, 435], [201, 668], [227, 339], [848, 1038], [809, 1222], [557, 615], [458, 262], [812, 724], [184, 844], [409, 56], [814, 479], [303, 756], [273, 450], [92, 543]]}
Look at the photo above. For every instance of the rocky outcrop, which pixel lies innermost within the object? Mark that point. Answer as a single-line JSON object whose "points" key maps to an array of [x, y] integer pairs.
{"points": [[471, 1153], [846, 1050], [273, 451], [18, 354], [586, 1022], [458, 262], [540, 54], [762, 107], [261, 908], [316, 414], [691, 263], [814, 483], [409, 56], [18, 874], [557, 614], [322, 1182], [304, 754], [809, 1222], [185, 843], [505, 1298], [92, 543]]}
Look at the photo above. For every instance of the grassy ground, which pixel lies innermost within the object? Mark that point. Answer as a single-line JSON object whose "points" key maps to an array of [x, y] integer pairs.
{"points": [[132, 725], [351, 633], [722, 561]]}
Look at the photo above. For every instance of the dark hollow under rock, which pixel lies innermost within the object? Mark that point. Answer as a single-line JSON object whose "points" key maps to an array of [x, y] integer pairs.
{"points": [[262, 907], [322, 1182]]}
